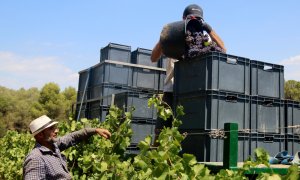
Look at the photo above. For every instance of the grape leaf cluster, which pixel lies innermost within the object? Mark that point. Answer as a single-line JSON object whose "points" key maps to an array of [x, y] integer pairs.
{"points": [[198, 44], [100, 158]]}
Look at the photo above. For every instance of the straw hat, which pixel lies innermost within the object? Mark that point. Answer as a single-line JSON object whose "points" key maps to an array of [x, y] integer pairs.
{"points": [[38, 125]]}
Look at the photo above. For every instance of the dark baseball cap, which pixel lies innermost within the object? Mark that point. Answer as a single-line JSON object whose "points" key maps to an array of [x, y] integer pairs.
{"points": [[193, 10]]}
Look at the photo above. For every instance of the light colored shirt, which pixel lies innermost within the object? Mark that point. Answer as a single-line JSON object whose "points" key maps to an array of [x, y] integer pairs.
{"points": [[169, 80]]}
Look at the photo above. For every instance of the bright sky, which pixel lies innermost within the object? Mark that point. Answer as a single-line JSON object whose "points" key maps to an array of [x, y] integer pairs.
{"points": [[51, 41]]}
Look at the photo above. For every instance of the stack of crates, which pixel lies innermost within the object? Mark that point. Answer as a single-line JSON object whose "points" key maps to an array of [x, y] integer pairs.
{"points": [[292, 117], [213, 89], [267, 107], [217, 88], [123, 78], [143, 117]]}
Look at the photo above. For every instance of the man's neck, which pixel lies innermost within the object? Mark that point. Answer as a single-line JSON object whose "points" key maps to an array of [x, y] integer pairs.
{"points": [[48, 145]]}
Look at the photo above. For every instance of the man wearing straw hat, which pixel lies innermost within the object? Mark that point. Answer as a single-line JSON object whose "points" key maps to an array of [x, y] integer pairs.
{"points": [[45, 161]]}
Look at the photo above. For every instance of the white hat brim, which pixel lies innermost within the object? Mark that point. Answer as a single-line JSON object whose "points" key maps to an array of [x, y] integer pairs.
{"points": [[40, 130]]}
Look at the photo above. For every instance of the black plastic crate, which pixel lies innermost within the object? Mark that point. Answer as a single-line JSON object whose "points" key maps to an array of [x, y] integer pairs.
{"points": [[137, 100], [83, 106], [83, 114], [111, 72], [82, 96], [94, 104], [145, 77], [115, 52], [162, 62], [272, 143], [267, 79], [211, 109], [105, 90], [141, 131], [162, 77], [99, 113], [208, 148], [267, 115], [143, 57], [292, 143], [292, 116], [133, 151], [215, 71], [83, 79]]}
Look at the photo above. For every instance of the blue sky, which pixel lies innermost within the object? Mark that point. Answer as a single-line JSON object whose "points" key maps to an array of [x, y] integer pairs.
{"points": [[51, 41]]}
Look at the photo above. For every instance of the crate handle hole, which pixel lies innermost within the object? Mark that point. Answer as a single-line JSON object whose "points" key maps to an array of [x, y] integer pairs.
{"points": [[231, 98], [268, 103], [118, 87], [231, 61], [146, 70], [268, 68], [143, 96], [269, 139], [119, 65]]}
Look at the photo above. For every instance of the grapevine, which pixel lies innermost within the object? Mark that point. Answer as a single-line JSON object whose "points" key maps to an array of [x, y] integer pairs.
{"points": [[99, 158]]}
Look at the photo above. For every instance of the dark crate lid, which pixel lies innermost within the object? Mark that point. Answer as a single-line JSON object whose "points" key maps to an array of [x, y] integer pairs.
{"points": [[142, 50], [118, 46]]}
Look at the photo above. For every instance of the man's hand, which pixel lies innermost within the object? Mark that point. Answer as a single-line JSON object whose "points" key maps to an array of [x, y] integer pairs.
{"points": [[206, 27], [103, 132]]}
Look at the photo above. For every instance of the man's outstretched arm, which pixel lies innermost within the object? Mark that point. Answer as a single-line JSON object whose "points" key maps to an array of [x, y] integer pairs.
{"points": [[214, 36]]}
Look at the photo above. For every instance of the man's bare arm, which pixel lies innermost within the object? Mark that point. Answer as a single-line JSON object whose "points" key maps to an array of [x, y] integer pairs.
{"points": [[217, 39], [156, 52]]}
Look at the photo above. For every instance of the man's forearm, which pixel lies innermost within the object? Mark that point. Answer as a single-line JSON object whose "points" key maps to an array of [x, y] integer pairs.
{"points": [[156, 52], [74, 137], [217, 39]]}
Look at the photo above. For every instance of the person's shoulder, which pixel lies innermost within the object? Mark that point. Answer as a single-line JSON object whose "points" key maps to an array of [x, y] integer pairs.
{"points": [[35, 153], [34, 157]]}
